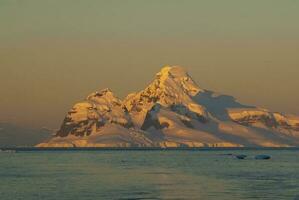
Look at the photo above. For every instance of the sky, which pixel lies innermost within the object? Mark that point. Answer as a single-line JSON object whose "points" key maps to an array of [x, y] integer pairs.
{"points": [[53, 53]]}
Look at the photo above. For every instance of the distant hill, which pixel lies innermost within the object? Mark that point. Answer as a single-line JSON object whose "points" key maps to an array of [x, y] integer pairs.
{"points": [[14, 136], [173, 111]]}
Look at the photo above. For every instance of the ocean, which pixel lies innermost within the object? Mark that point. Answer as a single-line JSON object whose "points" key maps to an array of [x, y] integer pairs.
{"points": [[149, 174]]}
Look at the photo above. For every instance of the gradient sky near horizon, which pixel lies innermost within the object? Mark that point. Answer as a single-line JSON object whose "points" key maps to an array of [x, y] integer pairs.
{"points": [[55, 52]]}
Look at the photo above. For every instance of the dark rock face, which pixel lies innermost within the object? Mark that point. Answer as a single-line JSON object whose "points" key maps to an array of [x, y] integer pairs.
{"points": [[151, 119], [78, 129], [66, 127], [268, 120], [250, 119], [183, 110], [187, 123], [89, 116]]}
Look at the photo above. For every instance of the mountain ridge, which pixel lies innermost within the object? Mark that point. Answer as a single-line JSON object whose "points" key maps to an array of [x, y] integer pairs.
{"points": [[172, 111]]}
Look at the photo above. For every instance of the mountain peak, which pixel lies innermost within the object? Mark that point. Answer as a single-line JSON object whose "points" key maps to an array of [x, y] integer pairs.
{"points": [[172, 86], [105, 91], [101, 93], [175, 78], [172, 71], [105, 96]]}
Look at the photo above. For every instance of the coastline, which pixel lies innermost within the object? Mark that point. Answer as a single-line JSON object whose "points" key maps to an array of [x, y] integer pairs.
{"points": [[28, 149]]}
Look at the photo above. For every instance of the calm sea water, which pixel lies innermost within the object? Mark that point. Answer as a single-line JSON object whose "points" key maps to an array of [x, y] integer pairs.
{"points": [[148, 175]]}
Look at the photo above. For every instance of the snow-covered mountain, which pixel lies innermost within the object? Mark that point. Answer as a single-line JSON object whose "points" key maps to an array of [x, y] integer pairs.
{"points": [[173, 111]]}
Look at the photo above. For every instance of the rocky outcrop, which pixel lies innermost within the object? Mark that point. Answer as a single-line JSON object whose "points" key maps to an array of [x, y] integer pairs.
{"points": [[89, 116], [250, 117]]}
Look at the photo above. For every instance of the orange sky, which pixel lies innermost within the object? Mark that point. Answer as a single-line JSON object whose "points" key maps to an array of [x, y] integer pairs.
{"points": [[54, 53]]}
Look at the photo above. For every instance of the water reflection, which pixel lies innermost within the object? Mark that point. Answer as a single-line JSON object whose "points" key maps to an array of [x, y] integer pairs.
{"points": [[148, 175]]}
